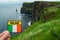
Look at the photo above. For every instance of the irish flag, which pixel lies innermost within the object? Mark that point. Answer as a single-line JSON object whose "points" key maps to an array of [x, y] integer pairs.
{"points": [[15, 26]]}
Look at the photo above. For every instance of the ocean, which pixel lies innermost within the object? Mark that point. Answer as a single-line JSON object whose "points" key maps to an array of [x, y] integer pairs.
{"points": [[8, 12]]}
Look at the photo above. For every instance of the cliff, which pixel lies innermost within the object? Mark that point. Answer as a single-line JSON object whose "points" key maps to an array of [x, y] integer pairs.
{"points": [[37, 10], [26, 8], [50, 30], [42, 31]]}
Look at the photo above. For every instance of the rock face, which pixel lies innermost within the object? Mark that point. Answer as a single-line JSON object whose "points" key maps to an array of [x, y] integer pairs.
{"points": [[36, 9], [27, 8]]}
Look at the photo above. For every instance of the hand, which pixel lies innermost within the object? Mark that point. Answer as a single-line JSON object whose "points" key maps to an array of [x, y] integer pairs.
{"points": [[5, 35]]}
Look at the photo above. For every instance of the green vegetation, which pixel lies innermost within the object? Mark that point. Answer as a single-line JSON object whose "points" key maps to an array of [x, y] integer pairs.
{"points": [[49, 30]]}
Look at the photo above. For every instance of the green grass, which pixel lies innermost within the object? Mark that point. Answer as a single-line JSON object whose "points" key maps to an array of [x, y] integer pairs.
{"points": [[42, 31]]}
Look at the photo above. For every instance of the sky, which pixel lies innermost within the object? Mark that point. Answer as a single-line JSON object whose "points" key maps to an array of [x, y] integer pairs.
{"points": [[21, 1]]}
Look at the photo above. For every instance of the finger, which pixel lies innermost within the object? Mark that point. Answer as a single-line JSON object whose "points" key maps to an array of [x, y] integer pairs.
{"points": [[5, 35], [2, 33], [8, 39]]}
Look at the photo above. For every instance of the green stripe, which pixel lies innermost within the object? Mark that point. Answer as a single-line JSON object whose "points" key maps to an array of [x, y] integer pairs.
{"points": [[10, 28]]}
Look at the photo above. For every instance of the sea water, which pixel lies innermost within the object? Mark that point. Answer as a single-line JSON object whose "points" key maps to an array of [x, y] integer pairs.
{"points": [[8, 12]]}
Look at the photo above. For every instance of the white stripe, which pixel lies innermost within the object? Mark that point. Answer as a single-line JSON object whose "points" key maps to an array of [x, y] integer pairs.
{"points": [[14, 28]]}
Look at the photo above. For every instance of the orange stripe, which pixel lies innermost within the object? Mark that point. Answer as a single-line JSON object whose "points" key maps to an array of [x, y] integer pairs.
{"points": [[19, 28]]}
